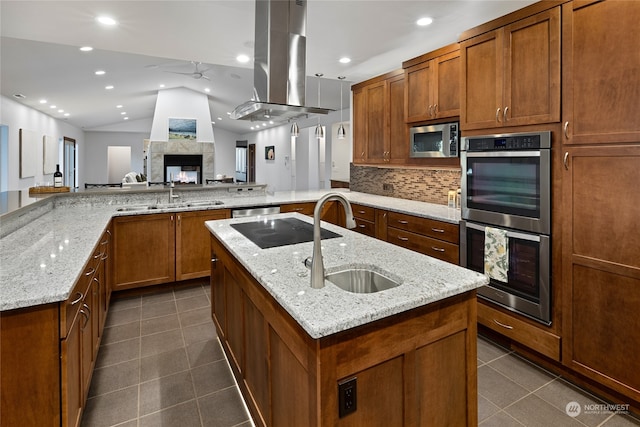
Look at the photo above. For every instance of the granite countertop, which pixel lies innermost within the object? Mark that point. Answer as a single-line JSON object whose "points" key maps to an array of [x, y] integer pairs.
{"points": [[322, 312], [46, 243]]}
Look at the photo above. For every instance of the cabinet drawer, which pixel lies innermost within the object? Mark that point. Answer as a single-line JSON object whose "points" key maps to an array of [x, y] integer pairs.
{"points": [[69, 309], [428, 227], [425, 245], [363, 212], [534, 337], [303, 208], [365, 227]]}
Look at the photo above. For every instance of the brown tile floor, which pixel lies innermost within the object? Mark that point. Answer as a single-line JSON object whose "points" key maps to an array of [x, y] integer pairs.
{"points": [[160, 364]]}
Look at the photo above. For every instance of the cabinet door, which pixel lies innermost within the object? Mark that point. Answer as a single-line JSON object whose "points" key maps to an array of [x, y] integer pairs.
{"points": [[532, 70], [418, 93], [481, 91], [376, 118], [446, 87], [87, 350], [143, 250], [193, 247], [398, 145], [359, 126], [601, 266], [71, 362], [218, 312], [600, 71]]}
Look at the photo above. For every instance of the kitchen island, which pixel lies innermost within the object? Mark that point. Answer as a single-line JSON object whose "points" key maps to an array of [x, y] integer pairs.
{"points": [[329, 357]]}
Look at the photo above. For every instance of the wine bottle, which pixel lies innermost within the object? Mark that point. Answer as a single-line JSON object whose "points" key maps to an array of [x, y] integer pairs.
{"points": [[57, 177]]}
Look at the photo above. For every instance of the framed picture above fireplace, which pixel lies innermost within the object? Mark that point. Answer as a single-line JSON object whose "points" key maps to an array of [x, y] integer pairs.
{"points": [[182, 129]]}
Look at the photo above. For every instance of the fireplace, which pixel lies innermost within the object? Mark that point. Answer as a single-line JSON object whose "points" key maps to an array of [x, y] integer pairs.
{"points": [[183, 168]]}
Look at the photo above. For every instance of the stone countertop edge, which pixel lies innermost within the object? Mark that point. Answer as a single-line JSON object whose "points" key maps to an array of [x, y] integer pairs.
{"points": [[323, 312], [44, 252]]}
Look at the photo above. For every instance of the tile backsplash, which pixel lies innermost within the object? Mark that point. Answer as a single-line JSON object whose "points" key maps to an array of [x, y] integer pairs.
{"points": [[426, 185]]}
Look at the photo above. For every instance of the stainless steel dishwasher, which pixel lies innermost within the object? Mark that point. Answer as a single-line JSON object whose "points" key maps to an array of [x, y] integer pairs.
{"points": [[255, 211]]}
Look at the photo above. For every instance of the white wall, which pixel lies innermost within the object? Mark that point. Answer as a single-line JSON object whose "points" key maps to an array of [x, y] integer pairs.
{"points": [[17, 116], [341, 153], [181, 103], [94, 159], [224, 160]]}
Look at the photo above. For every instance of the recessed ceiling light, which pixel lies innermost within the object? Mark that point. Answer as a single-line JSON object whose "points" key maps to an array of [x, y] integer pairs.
{"points": [[67, 114], [43, 101], [228, 113], [264, 125], [345, 60], [19, 96], [161, 85], [206, 89], [123, 113], [270, 122], [60, 111], [423, 22], [100, 73], [52, 106], [126, 118], [242, 59], [86, 49], [109, 87], [220, 118], [107, 20], [118, 106]]}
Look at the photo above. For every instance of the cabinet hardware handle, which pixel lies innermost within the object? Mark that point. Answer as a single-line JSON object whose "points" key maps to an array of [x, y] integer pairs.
{"points": [[361, 212], [503, 325], [179, 217], [565, 160], [498, 115], [171, 218], [402, 221], [78, 299], [435, 110], [214, 259], [505, 114], [90, 272], [566, 129], [429, 111], [86, 318], [98, 255], [361, 226], [437, 230], [362, 155], [404, 239], [437, 249]]}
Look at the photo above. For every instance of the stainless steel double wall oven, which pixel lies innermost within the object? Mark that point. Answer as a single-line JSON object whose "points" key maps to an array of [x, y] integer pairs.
{"points": [[506, 184]]}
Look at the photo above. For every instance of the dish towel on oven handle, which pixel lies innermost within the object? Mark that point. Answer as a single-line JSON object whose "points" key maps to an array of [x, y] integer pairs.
{"points": [[496, 254]]}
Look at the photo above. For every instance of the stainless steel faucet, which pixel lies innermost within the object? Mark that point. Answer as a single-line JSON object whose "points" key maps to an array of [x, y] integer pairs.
{"points": [[171, 186], [317, 265]]}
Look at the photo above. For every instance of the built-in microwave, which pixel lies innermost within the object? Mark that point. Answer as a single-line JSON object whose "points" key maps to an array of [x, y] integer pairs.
{"points": [[439, 140]]}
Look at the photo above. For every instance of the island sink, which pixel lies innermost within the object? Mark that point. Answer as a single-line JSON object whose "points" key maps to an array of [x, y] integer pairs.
{"points": [[361, 281]]}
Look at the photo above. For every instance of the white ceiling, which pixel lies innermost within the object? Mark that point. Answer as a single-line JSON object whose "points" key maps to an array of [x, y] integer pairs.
{"points": [[40, 59]]}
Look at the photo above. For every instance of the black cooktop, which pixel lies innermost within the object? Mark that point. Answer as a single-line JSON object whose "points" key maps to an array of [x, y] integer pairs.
{"points": [[271, 233]]}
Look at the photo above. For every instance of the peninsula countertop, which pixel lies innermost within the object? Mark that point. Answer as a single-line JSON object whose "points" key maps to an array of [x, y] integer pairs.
{"points": [[47, 242], [322, 312]]}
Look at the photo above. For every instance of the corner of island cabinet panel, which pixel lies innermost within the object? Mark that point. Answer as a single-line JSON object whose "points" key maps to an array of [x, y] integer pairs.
{"points": [[416, 368]]}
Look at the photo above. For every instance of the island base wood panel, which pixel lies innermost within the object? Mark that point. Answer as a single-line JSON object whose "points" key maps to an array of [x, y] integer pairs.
{"points": [[416, 368]]}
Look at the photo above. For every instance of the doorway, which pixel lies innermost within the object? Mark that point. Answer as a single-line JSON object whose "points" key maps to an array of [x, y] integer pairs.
{"points": [[69, 164]]}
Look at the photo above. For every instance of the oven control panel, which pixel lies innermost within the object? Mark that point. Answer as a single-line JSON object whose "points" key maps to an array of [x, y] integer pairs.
{"points": [[515, 141]]}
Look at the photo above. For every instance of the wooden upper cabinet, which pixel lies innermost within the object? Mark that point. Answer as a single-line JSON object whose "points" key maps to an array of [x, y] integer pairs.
{"points": [[432, 89], [380, 133], [511, 75], [601, 72], [359, 126]]}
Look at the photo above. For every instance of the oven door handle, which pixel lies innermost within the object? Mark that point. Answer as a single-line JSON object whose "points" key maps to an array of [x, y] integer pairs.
{"points": [[512, 234], [506, 153]]}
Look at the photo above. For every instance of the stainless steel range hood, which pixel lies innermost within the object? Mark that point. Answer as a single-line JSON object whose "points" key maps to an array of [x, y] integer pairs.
{"points": [[279, 71]]}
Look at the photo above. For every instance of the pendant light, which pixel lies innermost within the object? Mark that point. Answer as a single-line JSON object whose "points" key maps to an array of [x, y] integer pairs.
{"points": [[341, 132], [295, 131], [319, 130]]}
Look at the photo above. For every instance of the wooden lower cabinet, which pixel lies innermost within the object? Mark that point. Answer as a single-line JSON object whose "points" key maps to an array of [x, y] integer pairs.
{"points": [[601, 265], [48, 352], [154, 249], [329, 210], [414, 368]]}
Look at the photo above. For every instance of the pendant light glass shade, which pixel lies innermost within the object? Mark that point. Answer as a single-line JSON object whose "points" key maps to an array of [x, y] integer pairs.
{"points": [[295, 131], [342, 133], [319, 131]]}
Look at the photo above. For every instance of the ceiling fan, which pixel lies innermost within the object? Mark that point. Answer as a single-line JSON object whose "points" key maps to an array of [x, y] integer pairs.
{"points": [[197, 73]]}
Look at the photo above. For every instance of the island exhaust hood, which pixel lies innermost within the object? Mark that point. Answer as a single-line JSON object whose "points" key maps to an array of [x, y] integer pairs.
{"points": [[279, 64]]}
